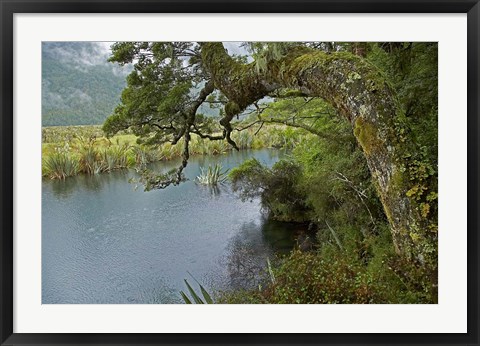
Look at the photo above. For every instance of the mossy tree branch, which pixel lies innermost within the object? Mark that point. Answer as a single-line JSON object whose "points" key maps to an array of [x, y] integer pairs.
{"points": [[360, 93], [175, 176]]}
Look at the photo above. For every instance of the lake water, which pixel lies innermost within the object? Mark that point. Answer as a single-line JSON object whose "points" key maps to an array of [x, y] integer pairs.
{"points": [[105, 242]]}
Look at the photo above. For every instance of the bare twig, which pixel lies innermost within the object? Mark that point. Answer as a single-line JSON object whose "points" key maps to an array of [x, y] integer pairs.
{"points": [[335, 236], [361, 194]]}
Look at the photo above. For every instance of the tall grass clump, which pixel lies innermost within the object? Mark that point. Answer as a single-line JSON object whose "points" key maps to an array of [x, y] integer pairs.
{"points": [[89, 160], [60, 165], [168, 151], [213, 175], [200, 146], [115, 158], [140, 156], [94, 153], [244, 139]]}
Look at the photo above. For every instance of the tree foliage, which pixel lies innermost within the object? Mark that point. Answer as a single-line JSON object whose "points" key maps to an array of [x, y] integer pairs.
{"points": [[384, 92], [160, 103], [341, 200]]}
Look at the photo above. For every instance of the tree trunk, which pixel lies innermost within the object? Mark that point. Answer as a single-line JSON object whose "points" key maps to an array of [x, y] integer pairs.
{"points": [[361, 94]]}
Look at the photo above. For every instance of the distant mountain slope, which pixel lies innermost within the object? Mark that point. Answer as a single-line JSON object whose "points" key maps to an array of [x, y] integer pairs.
{"points": [[79, 86]]}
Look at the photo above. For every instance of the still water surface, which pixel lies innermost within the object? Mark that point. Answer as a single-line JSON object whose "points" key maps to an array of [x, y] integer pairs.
{"points": [[105, 242]]}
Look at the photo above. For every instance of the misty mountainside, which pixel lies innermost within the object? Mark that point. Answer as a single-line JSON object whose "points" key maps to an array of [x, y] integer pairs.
{"points": [[79, 85]]}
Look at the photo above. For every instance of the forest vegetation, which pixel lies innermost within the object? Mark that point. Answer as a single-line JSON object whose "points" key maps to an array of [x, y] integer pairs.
{"points": [[359, 121]]}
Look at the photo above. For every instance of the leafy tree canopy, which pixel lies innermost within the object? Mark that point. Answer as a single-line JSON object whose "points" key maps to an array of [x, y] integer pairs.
{"points": [[380, 89], [170, 85]]}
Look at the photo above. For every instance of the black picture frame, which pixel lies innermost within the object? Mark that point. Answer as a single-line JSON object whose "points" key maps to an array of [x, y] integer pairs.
{"points": [[9, 7]]}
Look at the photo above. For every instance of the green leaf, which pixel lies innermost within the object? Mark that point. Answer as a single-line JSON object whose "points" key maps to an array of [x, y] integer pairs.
{"points": [[205, 294], [185, 298], [196, 298]]}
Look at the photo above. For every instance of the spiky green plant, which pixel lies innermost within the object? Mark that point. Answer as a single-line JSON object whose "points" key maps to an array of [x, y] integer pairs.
{"points": [[168, 151], [196, 297], [213, 175], [115, 157], [244, 139], [270, 272], [141, 157], [88, 160], [60, 165]]}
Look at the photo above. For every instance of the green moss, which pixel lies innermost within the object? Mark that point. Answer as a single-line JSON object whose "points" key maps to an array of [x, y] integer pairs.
{"points": [[366, 134], [425, 209], [396, 181], [352, 76], [232, 108], [415, 237]]}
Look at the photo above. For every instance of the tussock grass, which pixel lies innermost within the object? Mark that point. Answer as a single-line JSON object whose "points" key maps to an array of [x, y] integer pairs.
{"points": [[212, 175], [60, 166], [85, 149]]}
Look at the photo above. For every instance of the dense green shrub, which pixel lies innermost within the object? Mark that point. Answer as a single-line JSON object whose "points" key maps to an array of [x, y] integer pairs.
{"points": [[326, 181], [368, 275], [277, 187]]}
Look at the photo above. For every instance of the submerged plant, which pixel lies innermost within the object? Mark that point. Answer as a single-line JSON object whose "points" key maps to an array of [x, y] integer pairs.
{"points": [[213, 175]]}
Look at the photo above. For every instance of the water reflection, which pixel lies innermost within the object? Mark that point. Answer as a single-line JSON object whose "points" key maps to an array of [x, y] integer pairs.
{"points": [[247, 252], [105, 242], [96, 182], [245, 258], [62, 188]]}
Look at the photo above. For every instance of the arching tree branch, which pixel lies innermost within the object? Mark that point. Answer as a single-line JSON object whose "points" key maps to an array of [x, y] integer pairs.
{"points": [[176, 176], [360, 93]]}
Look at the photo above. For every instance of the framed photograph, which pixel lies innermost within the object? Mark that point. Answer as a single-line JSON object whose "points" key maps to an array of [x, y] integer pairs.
{"points": [[246, 172]]}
